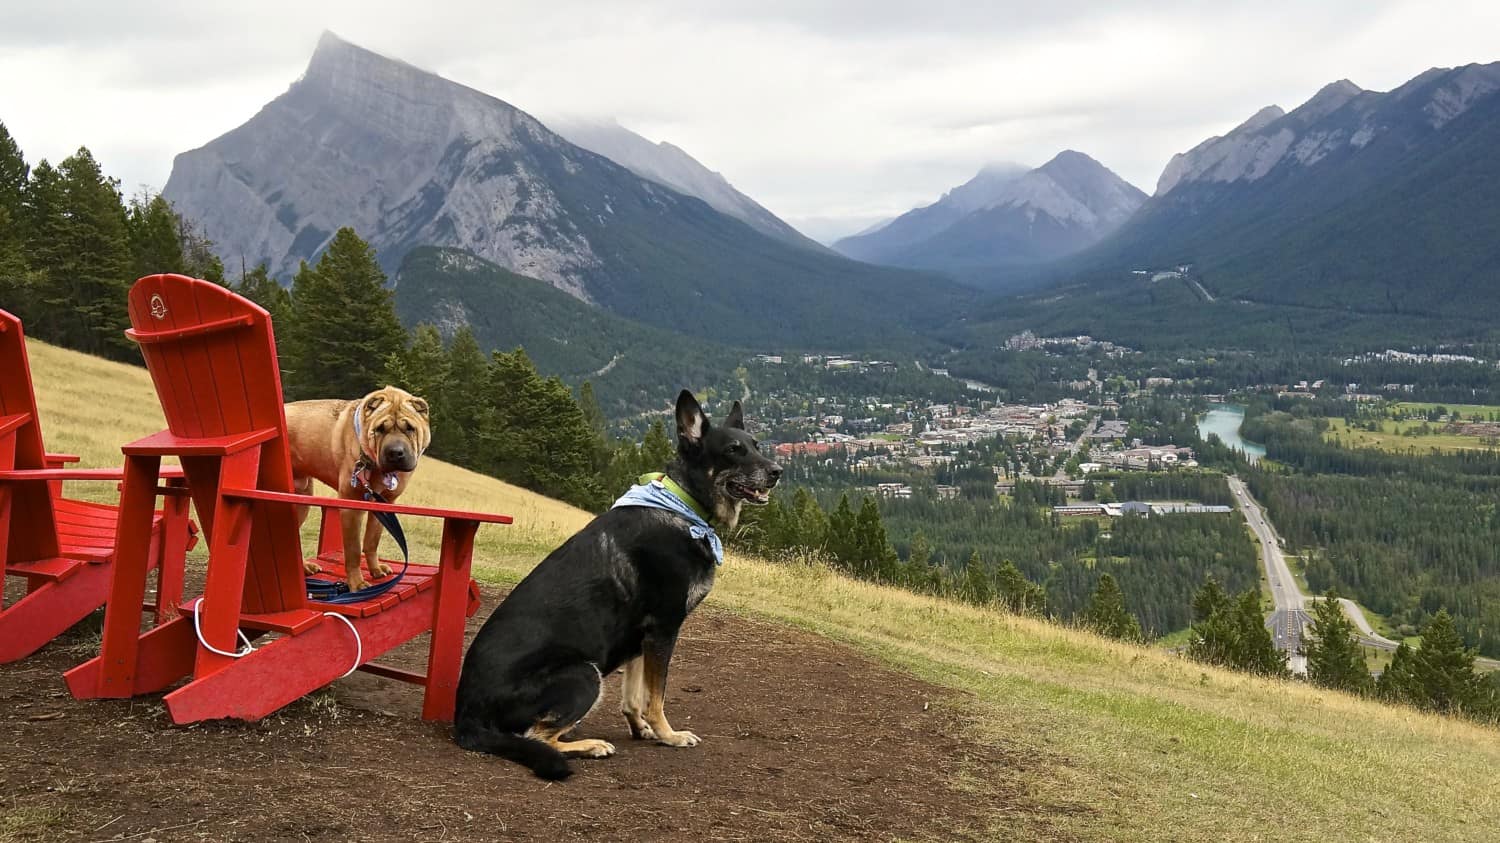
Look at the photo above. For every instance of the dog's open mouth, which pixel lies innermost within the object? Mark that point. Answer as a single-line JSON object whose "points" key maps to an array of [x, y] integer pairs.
{"points": [[749, 494]]}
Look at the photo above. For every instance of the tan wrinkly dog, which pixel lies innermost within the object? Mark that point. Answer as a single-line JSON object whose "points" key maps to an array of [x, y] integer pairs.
{"points": [[393, 431]]}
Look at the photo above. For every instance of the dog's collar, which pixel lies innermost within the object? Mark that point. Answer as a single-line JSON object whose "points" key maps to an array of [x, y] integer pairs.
{"points": [[676, 488], [658, 491], [359, 433]]}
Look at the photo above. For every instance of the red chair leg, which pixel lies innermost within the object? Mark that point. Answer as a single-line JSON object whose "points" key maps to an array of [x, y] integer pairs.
{"points": [[164, 655], [173, 543], [449, 613], [48, 611], [122, 617]]}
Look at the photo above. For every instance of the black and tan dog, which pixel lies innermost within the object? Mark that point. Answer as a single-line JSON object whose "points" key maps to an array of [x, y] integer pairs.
{"points": [[614, 594], [375, 440]]}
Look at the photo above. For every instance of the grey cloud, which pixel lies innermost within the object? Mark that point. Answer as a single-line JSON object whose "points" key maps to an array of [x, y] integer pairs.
{"points": [[817, 108]]}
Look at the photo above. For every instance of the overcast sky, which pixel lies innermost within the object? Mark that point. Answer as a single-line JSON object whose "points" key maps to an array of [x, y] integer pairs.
{"points": [[843, 111]]}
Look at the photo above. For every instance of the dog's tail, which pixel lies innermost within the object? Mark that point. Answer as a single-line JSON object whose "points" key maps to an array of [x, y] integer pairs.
{"points": [[541, 759]]}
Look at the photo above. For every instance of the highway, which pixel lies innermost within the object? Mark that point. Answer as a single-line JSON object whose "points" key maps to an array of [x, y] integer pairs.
{"points": [[1290, 618]]}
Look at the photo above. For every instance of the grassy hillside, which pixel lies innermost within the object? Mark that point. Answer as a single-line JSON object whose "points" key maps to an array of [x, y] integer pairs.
{"points": [[1126, 743]]}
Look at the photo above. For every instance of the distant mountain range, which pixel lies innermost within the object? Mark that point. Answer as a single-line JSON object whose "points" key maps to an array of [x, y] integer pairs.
{"points": [[1356, 200], [669, 165], [410, 159], [1005, 216]]}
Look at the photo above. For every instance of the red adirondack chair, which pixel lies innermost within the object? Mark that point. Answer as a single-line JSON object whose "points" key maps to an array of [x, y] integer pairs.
{"points": [[213, 360], [64, 548]]}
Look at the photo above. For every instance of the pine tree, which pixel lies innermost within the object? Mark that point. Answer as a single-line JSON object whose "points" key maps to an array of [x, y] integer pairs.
{"points": [[155, 246], [1398, 682], [198, 257], [918, 560], [1209, 600], [344, 323], [77, 243], [877, 558], [1107, 615], [535, 434], [601, 449], [15, 277], [809, 523], [13, 173], [1256, 650], [841, 538], [422, 367], [975, 584], [422, 370], [1444, 668], [258, 286], [657, 449], [1019, 594], [1334, 657], [1214, 636], [468, 378]]}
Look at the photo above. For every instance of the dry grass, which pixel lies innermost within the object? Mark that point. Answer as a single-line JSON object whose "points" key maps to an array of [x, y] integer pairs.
{"points": [[1130, 743], [1391, 438]]}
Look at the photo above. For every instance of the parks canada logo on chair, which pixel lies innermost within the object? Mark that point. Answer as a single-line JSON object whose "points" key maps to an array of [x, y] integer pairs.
{"points": [[158, 307]]}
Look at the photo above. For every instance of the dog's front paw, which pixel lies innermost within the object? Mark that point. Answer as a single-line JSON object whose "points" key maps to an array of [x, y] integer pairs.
{"points": [[678, 738], [379, 569], [595, 749], [356, 582], [639, 728], [311, 567]]}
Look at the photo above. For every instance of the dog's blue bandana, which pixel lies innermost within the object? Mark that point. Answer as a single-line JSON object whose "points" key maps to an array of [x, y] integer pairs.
{"points": [[653, 492]]}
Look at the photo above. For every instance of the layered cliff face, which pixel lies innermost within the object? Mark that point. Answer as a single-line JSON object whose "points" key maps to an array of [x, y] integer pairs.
{"points": [[401, 155], [1342, 116], [408, 158], [670, 165], [1355, 200], [1006, 215]]}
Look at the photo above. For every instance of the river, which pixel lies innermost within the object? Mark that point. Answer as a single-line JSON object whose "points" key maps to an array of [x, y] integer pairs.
{"points": [[1224, 421]]}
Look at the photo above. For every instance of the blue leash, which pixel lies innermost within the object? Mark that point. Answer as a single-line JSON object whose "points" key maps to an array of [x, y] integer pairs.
{"points": [[329, 591]]}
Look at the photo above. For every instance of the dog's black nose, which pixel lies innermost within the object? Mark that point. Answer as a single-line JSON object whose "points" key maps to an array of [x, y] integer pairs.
{"points": [[775, 472], [395, 453]]}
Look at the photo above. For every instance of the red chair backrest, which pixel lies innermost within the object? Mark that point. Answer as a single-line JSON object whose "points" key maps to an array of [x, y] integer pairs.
{"points": [[33, 530], [212, 357]]}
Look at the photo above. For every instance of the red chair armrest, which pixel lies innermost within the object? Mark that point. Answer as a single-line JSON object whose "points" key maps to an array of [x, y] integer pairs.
{"points": [[166, 444], [366, 506], [40, 474], [60, 460]]}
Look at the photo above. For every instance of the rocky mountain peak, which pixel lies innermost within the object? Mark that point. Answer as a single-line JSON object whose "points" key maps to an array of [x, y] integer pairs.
{"points": [[1260, 119], [985, 189], [1006, 215], [671, 166], [1328, 99]]}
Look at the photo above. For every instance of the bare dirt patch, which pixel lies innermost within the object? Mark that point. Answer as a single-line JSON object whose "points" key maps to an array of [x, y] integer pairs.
{"points": [[804, 739]]}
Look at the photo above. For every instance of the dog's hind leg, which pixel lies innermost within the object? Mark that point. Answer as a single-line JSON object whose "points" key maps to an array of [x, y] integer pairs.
{"points": [[568, 696], [633, 700], [303, 486]]}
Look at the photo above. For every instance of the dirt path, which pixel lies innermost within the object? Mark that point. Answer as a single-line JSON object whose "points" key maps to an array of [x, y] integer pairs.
{"points": [[803, 740]]}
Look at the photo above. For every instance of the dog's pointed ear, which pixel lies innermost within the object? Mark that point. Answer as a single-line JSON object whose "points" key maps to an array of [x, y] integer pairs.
{"points": [[691, 423], [420, 405], [736, 417], [373, 402]]}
